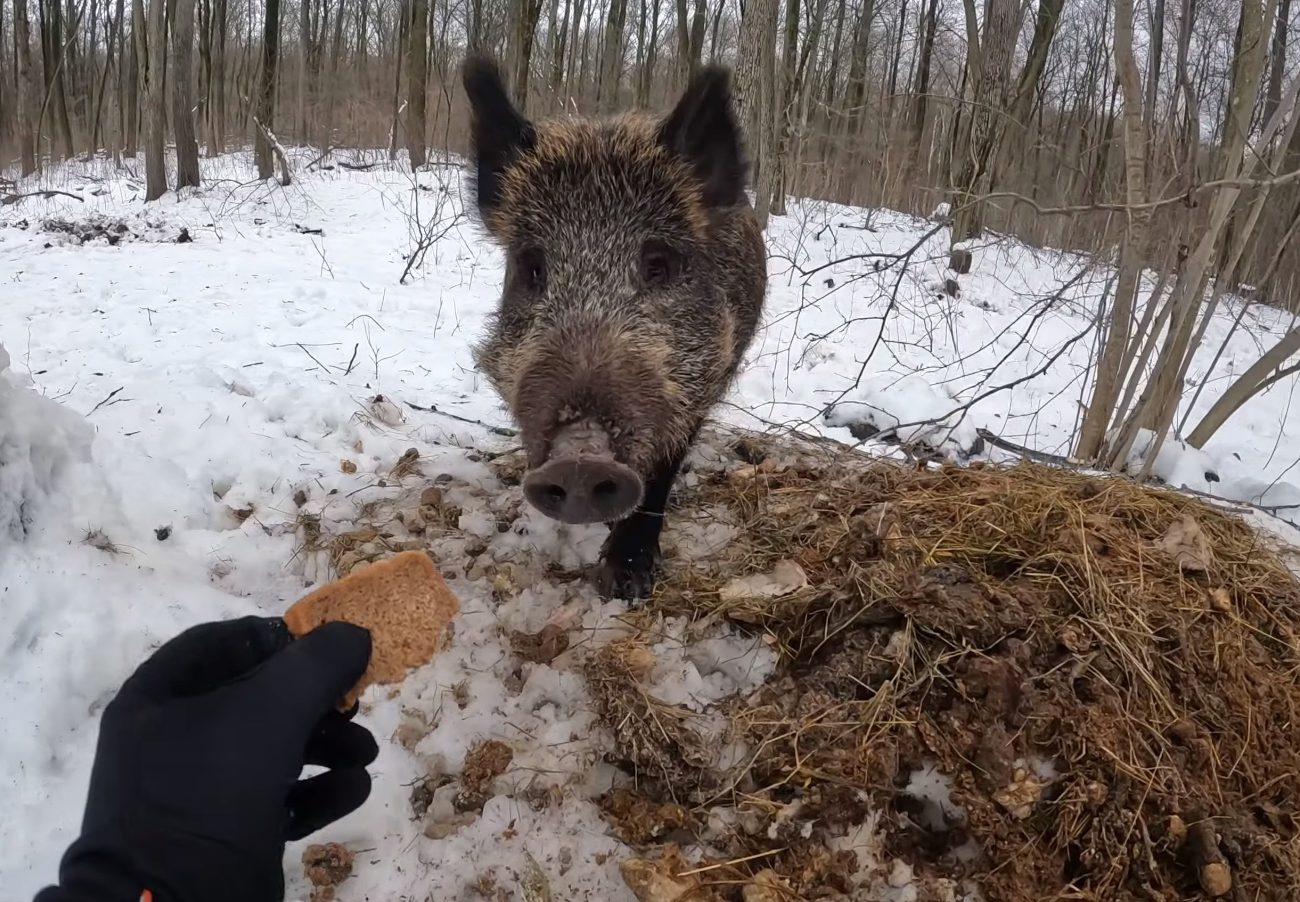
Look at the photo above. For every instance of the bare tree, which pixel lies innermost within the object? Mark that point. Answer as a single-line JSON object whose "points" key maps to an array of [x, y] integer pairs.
{"points": [[923, 67], [651, 61], [1153, 61], [134, 61], [559, 40], [24, 88], [1277, 65], [265, 115], [1266, 371], [1158, 404], [110, 44], [785, 111], [755, 96], [215, 105], [182, 84], [525, 15], [417, 82], [54, 52], [1112, 366], [979, 128], [155, 107], [611, 70]]}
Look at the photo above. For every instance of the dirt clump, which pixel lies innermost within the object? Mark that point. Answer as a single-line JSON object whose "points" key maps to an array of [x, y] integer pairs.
{"points": [[638, 821], [325, 867], [484, 762]]}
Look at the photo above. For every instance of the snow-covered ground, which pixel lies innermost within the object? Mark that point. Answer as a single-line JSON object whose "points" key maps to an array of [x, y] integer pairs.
{"points": [[195, 393]]}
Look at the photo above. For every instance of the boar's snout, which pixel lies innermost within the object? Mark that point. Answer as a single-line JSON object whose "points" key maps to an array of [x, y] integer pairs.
{"points": [[580, 481], [580, 489]]}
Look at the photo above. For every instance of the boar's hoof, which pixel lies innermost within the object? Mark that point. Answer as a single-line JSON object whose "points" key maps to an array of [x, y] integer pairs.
{"points": [[627, 581], [629, 563], [583, 489]]}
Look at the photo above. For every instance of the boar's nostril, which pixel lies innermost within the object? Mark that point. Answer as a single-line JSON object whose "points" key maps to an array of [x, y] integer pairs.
{"points": [[583, 489]]}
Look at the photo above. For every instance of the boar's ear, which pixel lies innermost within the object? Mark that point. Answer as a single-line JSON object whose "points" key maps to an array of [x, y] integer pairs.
{"points": [[499, 132], [702, 128]]}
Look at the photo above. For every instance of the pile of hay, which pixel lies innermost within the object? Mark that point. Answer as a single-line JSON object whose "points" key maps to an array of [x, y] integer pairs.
{"points": [[1109, 675]]}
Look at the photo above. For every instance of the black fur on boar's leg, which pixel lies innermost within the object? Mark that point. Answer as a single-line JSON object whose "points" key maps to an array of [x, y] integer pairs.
{"points": [[630, 559]]}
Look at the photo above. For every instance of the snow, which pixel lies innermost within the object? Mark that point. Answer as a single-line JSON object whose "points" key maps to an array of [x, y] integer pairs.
{"points": [[933, 789], [202, 386], [908, 409]]}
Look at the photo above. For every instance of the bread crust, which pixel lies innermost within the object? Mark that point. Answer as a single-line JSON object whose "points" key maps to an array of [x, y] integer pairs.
{"points": [[404, 603]]}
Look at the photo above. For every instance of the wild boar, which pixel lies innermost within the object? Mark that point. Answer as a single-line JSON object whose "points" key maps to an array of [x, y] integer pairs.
{"points": [[634, 282]]}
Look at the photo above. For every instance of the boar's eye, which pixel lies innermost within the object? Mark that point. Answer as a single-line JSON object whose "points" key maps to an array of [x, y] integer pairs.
{"points": [[530, 264], [660, 264]]}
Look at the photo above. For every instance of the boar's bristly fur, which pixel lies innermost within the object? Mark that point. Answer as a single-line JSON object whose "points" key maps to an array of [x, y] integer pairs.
{"points": [[635, 279]]}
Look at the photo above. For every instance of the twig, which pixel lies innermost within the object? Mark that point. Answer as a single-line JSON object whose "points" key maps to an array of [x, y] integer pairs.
{"points": [[495, 430], [108, 400], [323, 367], [10, 199], [1184, 198]]}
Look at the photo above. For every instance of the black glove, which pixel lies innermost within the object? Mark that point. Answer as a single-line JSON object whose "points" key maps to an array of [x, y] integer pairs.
{"points": [[195, 787]]}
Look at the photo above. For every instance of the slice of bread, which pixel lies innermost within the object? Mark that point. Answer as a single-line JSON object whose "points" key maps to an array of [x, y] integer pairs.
{"points": [[403, 601]]}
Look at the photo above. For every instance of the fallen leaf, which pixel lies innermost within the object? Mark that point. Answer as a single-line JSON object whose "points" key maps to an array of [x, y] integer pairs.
{"points": [[542, 647], [767, 886], [1020, 795], [1220, 600], [386, 412], [654, 881], [1186, 543], [786, 577], [742, 474]]}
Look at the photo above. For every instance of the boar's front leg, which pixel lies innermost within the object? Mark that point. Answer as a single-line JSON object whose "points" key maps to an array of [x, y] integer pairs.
{"points": [[630, 558]]}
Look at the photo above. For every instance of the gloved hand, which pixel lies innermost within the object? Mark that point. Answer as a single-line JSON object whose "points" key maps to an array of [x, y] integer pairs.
{"points": [[195, 787]]}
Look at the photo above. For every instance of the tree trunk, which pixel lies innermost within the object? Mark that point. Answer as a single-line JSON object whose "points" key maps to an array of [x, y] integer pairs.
{"points": [[399, 48], [651, 59], [683, 43], [133, 58], [611, 69], [417, 82], [182, 84], [571, 66], [262, 151], [988, 65], [558, 43], [895, 58], [785, 111], [25, 88], [1277, 68], [755, 70], [1247, 385], [526, 14], [1153, 63], [1112, 364], [156, 128], [923, 76], [1159, 403], [54, 54], [217, 89], [1011, 137], [110, 40], [801, 90], [699, 21], [7, 119], [336, 86]]}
